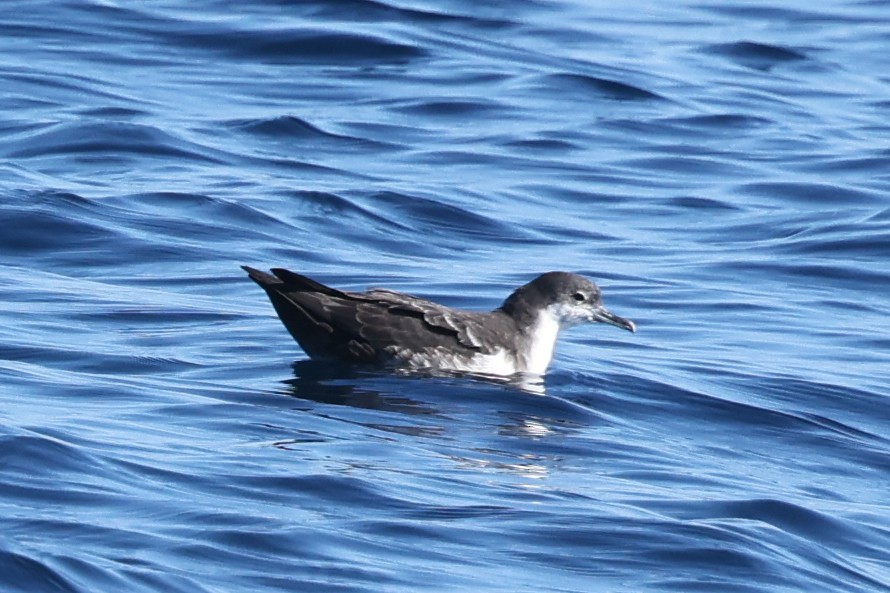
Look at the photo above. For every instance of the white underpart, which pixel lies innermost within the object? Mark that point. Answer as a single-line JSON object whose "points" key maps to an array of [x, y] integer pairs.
{"points": [[543, 335], [500, 363]]}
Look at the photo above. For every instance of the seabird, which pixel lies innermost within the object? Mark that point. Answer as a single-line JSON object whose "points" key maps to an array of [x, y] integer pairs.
{"points": [[392, 328]]}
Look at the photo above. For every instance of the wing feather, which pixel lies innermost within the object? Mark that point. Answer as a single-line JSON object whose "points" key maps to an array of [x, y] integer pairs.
{"points": [[369, 326], [437, 318]]}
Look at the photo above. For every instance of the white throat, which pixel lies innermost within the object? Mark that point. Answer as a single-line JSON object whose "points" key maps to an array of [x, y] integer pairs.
{"points": [[542, 341]]}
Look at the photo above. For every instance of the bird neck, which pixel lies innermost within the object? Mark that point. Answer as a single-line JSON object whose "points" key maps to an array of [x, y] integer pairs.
{"points": [[539, 342], [517, 308]]}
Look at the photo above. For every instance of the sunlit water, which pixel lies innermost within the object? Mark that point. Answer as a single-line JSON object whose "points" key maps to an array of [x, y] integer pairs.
{"points": [[722, 169]]}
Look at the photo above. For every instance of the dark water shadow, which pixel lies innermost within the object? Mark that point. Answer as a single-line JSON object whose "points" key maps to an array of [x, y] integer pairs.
{"points": [[349, 385], [517, 406]]}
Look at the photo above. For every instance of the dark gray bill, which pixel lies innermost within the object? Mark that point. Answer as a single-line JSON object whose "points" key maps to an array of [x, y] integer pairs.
{"points": [[603, 316]]}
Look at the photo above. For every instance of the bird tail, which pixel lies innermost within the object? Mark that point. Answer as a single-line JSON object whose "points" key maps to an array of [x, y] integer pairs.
{"points": [[287, 281]]}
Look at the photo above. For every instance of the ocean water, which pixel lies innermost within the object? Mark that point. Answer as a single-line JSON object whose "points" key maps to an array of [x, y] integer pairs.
{"points": [[721, 168]]}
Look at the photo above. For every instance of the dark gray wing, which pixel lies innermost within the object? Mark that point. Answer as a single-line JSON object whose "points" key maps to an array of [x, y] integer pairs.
{"points": [[398, 318], [303, 306], [369, 326]]}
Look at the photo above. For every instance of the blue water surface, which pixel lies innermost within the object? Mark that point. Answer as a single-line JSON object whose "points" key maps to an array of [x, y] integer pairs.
{"points": [[721, 168]]}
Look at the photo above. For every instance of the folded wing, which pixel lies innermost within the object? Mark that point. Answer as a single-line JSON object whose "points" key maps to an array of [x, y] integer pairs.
{"points": [[372, 326]]}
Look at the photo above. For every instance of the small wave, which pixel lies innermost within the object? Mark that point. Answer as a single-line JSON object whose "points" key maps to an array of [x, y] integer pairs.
{"points": [[328, 203], [65, 228], [365, 11], [792, 518], [23, 452], [29, 232], [759, 56], [287, 128], [450, 107], [35, 574], [697, 129], [432, 216], [700, 203], [720, 121], [319, 46], [855, 166], [111, 139], [543, 145], [812, 193], [601, 87], [285, 125]]}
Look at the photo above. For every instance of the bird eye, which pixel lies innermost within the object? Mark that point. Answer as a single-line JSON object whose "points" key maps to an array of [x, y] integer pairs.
{"points": [[579, 297]]}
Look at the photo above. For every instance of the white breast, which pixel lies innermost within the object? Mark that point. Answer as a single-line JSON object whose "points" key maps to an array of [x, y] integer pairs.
{"points": [[537, 356]]}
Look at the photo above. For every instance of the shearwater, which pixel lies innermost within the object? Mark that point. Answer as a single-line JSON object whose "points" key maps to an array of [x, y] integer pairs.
{"points": [[387, 327]]}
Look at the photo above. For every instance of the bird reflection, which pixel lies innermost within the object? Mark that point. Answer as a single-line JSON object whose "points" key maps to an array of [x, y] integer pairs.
{"points": [[512, 407], [342, 385]]}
